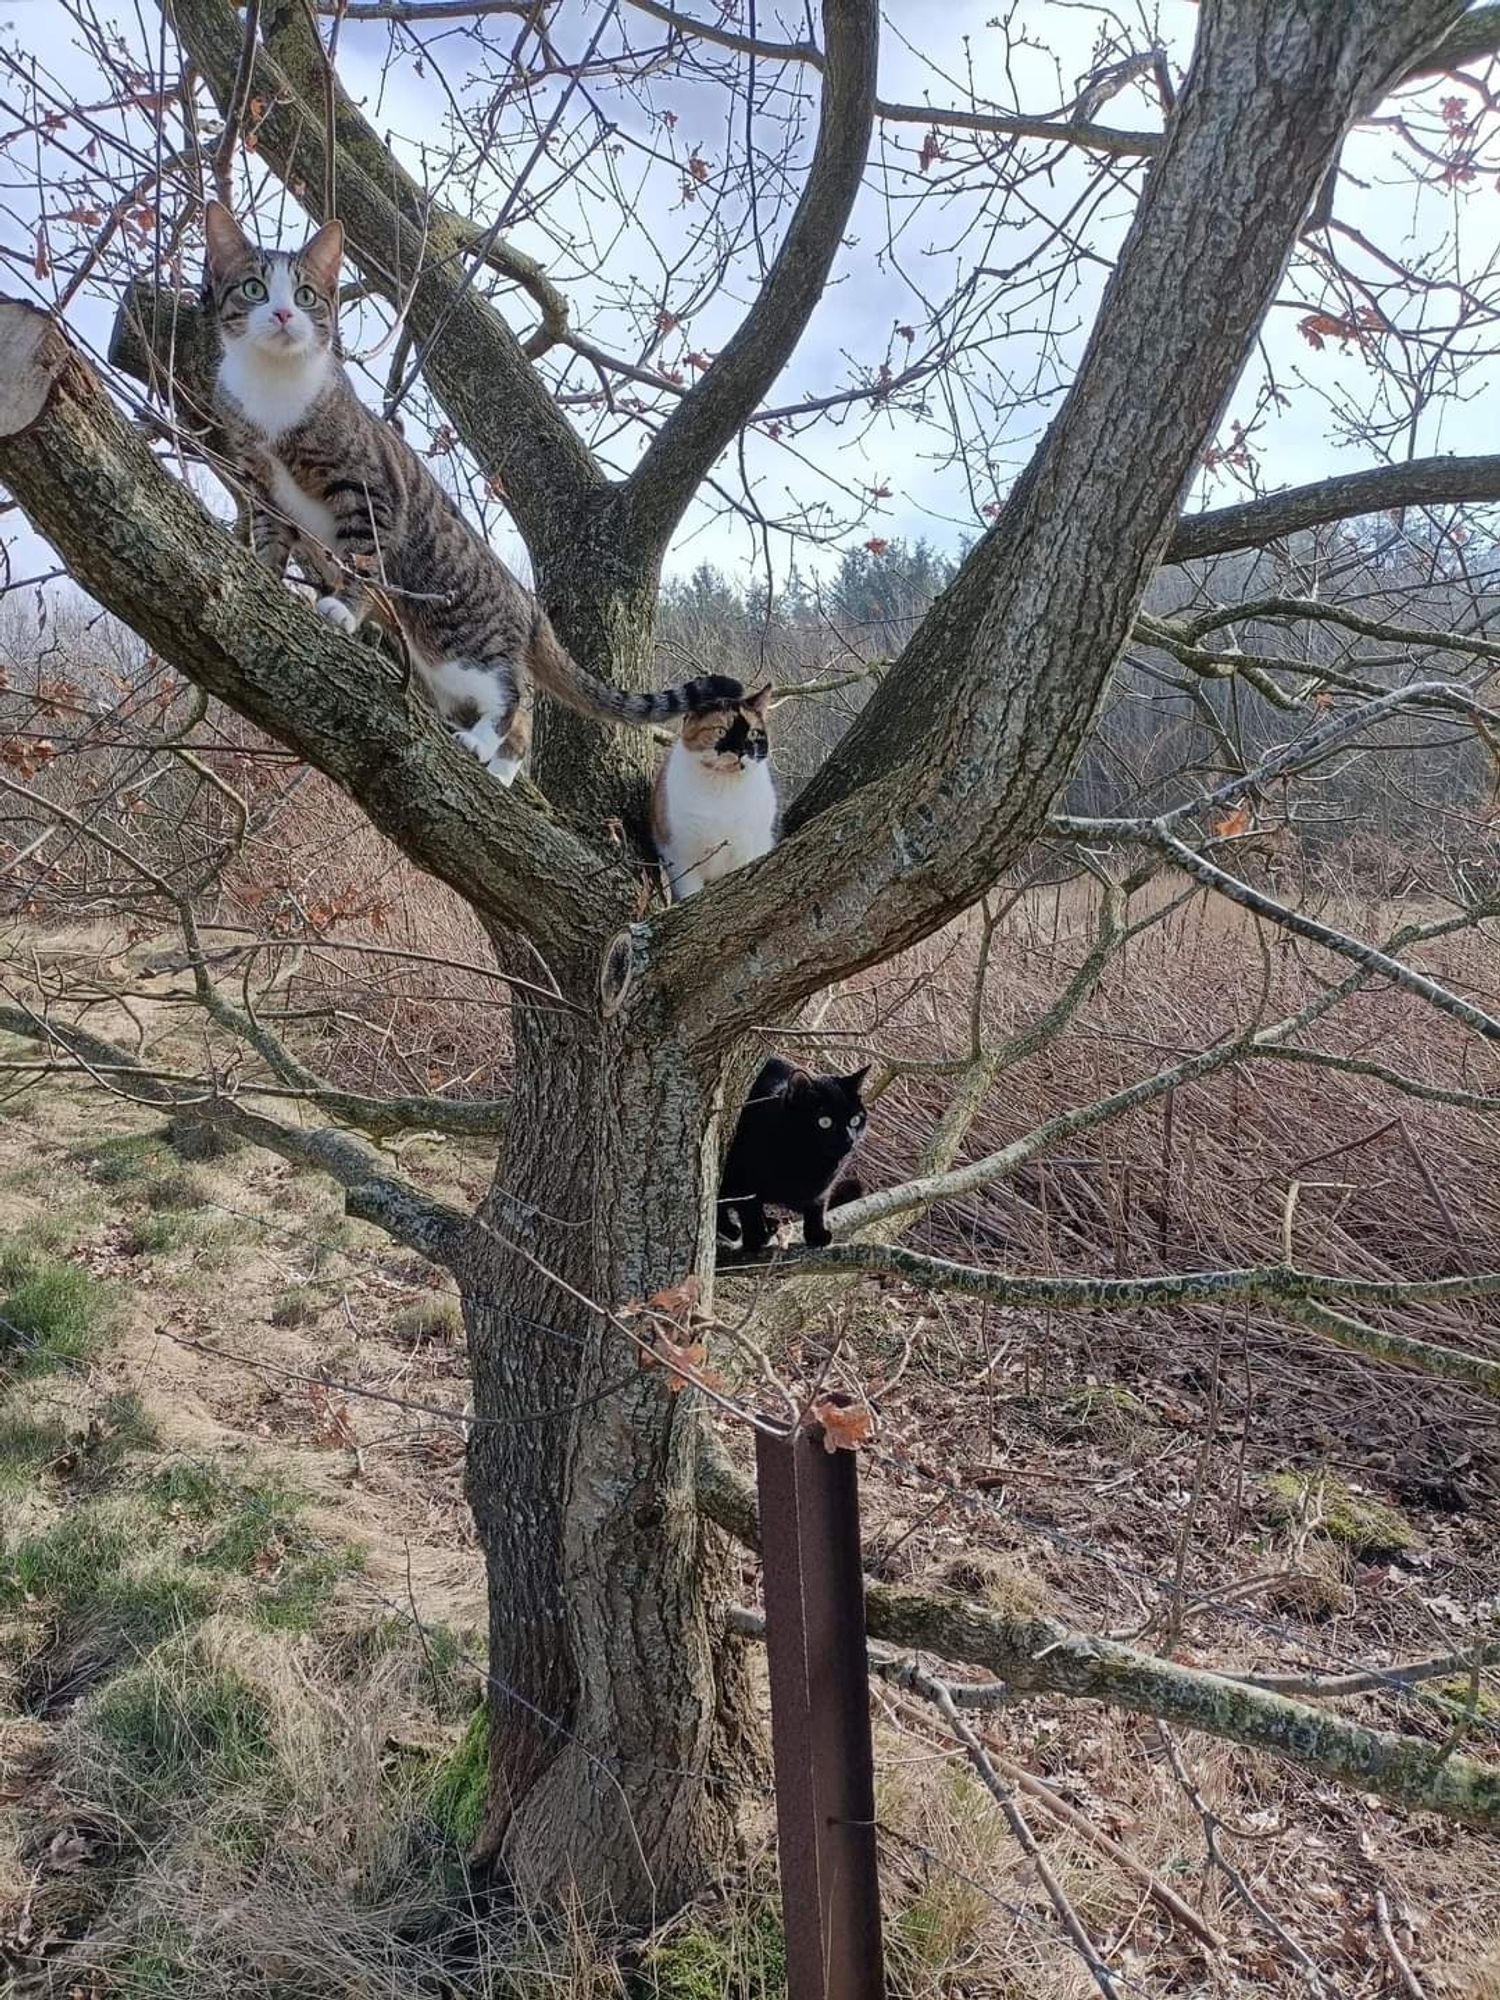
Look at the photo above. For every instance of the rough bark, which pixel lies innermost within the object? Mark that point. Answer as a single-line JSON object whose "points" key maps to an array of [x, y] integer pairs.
{"points": [[950, 770], [607, 1736]]}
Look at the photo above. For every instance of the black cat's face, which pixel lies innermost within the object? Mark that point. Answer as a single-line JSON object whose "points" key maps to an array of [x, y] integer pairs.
{"points": [[829, 1113]]}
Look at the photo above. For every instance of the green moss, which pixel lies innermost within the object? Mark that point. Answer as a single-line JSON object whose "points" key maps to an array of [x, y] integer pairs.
{"points": [[460, 1785], [51, 1313], [1099, 1410], [1458, 1697], [1367, 1528]]}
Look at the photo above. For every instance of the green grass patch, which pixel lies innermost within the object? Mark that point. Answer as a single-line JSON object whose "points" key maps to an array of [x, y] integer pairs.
{"points": [[118, 1162], [181, 1721], [51, 1313], [1368, 1528], [176, 1189], [740, 1955], [298, 1305], [254, 1531], [28, 1445], [157, 1233], [197, 1139]]}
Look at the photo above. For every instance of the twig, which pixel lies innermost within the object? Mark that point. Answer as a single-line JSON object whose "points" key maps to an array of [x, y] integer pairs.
{"points": [[1211, 1823]]}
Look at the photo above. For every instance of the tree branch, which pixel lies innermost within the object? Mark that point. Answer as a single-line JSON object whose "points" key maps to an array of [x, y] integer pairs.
{"points": [[1381, 489], [704, 423], [140, 543], [950, 769], [1039, 1655], [371, 1194], [1300, 1295]]}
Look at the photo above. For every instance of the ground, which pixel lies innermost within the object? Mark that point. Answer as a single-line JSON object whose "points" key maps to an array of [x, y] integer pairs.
{"points": [[240, 1603]]}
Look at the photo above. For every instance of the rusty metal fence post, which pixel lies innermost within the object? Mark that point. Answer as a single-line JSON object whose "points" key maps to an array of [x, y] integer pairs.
{"points": [[820, 1718]]}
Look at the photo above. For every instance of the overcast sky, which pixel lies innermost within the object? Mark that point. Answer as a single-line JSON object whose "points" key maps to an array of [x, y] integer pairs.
{"points": [[900, 261]]}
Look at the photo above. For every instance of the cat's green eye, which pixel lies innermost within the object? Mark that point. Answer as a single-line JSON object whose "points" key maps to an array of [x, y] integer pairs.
{"points": [[254, 290], [305, 297]]}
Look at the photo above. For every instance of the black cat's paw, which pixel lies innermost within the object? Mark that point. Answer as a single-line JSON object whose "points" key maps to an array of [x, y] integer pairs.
{"points": [[850, 1188], [815, 1232]]}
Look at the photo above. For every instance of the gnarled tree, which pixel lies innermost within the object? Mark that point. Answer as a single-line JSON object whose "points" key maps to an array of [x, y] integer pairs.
{"points": [[633, 1024]]}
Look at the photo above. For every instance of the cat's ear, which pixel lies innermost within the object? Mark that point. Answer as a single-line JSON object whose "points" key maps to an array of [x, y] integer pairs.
{"points": [[759, 704], [228, 246], [852, 1083], [321, 256], [798, 1084]]}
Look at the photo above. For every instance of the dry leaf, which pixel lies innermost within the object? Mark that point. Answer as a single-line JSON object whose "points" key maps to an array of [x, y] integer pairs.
{"points": [[846, 1426], [1235, 821], [676, 1301]]}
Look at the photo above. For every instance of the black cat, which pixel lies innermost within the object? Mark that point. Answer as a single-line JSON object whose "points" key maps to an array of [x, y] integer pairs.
{"points": [[794, 1134]]}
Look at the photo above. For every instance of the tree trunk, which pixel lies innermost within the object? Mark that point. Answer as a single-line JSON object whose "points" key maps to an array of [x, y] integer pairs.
{"points": [[611, 1739]]}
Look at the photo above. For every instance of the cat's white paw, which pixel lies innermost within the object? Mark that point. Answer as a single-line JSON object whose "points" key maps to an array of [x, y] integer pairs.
{"points": [[486, 743], [338, 613]]}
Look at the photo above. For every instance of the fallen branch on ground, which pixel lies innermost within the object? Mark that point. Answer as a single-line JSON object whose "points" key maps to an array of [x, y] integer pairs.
{"points": [[1036, 1655]]}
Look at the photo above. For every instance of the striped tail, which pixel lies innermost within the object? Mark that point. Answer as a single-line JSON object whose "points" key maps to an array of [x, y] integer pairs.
{"points": [[554, 668]]}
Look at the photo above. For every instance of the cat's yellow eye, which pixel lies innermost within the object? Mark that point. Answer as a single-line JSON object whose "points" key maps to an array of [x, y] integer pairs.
{"points": [[826, 1123], [254, 290], [305, 297]]}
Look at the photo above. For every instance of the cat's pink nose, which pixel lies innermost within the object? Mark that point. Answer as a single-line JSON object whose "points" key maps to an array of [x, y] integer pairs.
{"points": [[282, 315]]}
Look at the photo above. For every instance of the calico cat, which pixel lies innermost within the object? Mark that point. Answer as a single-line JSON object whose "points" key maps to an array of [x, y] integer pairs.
{"points": [[345, 491], [713, 806], [794, 1135]]}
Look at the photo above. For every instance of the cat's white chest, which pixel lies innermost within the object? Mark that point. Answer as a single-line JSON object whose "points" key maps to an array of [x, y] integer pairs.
{"points": [[716, 820], [310, 515], [275, 397]]}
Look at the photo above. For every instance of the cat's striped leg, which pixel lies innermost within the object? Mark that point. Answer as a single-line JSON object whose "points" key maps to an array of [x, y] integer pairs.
{"points": [[271, 536], [364, 521]]}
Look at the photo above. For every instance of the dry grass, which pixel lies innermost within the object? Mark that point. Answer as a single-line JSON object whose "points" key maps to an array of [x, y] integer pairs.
{"points": [[1115, 1451]]}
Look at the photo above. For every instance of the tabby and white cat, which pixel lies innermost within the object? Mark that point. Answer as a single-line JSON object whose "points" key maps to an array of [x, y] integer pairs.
{"points": [[343, 490], [713, 807]]}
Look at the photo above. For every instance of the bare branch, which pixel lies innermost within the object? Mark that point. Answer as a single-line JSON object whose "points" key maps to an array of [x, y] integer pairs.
{"points": [[1040, 1655], [704, 423], [1301, 1295], [1382, 489], [949, 770]]}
